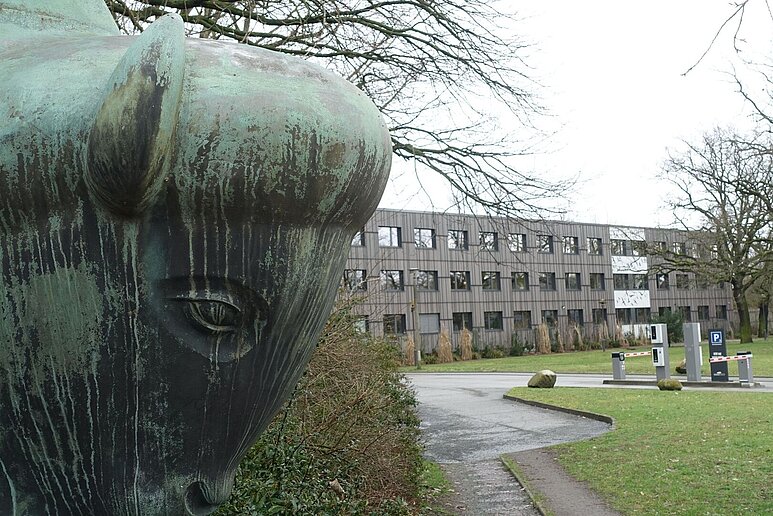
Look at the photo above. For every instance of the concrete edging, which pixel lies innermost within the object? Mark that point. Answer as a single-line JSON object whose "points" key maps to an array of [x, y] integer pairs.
{"points": [[514, 469], [686, 383], [590, 415]]}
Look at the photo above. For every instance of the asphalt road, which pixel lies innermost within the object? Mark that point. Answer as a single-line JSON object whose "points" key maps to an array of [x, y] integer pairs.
{"points": [[465, 419]]}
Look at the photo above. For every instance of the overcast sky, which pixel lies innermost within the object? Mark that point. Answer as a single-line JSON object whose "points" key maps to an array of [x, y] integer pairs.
{"points": [[612, 78]]}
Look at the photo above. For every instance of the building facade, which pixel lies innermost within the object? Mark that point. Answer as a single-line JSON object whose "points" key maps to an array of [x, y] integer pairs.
{"points": [[501, 278]]}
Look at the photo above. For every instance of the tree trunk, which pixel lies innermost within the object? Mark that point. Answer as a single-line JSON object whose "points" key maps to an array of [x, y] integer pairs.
{"points": [[744, 320], [762, 320]]}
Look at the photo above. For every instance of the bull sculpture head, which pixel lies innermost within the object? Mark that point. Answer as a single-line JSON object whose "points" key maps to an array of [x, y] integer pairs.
{"points": [[174, 219]]}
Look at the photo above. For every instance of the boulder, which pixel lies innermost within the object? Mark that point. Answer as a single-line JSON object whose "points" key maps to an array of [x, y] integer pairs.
{"points": [[669, 384], [544, 379], [681, 367]]}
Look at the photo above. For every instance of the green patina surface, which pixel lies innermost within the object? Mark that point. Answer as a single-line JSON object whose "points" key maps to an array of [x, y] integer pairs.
{"points": [[174, 220]]}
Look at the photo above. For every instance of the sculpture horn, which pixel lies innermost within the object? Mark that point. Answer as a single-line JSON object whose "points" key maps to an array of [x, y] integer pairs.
{"points": [[130, 142]]}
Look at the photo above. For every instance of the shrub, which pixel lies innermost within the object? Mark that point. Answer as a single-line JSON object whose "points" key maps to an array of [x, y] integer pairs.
{"points": [[517, 349], [673, 322], [430, 358], [351, 420], [669, 384]]}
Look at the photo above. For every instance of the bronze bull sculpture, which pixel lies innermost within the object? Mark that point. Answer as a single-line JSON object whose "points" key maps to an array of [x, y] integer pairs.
{"points": [[174, 219]]}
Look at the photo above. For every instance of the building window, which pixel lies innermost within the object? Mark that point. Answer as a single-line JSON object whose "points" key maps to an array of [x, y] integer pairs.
{"points": [[358, 240], [572, 281], [662, 281], [660, 247], [638, 248], [623, 315], [462, 321], [426, 280], [394, 324], [492, 320], [391, 280], [520, 281], [721, 312], [547, 280], [571, 245], [457, 239], [701, 281], [594, 246], [424, 238], [686, 313], [489, 241], [630, 281], [355, 280], [550, 317], [460, 280], [544, 244], [703, 312], [642, 315], [429, 323], [621, 281], [597, 281], [682, 281], [679, 248], [516, 242], [522, 319], [617, 247], [574, 315], [599, 315], [664, 311], [361, 325], [389, 236], [490, 280]]}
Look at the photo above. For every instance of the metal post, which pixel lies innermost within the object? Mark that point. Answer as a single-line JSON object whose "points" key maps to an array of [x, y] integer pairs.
{"points": [[745, 374], [618, 366], [692, 351], [414, 321]]}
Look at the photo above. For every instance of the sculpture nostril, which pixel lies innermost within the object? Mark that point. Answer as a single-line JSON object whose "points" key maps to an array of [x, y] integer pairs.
{"points": [[196, 501]]}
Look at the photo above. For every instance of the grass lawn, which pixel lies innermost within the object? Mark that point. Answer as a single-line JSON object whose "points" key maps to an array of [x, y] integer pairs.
{"points": [[600, 362], [701, 453]]}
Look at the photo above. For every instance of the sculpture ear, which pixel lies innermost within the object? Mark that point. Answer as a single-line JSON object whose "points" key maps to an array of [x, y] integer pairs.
{"points": [[131, 140]]}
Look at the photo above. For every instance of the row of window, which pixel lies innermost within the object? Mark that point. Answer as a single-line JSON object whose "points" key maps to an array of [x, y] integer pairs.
{"points": [[394, 280], [426, 238], [522, 319]]}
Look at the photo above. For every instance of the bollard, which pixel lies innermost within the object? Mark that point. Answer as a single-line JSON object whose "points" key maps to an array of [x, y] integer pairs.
{"points": [[745, 374], [692, 351], [618, 366]]}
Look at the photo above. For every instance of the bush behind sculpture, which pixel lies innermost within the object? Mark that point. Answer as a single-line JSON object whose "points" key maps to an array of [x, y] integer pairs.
{"points": [[351, 420]]}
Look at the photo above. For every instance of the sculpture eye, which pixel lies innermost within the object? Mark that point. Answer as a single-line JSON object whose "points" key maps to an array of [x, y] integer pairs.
{"points": [[213, 316]]}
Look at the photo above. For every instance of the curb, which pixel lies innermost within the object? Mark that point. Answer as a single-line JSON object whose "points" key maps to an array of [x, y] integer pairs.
{"points": [[515, 471], [589, 415], [685, 383]]}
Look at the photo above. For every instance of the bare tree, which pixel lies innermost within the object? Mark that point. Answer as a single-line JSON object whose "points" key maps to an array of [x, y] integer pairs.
{"points": [[730, 229], [434, 68]]}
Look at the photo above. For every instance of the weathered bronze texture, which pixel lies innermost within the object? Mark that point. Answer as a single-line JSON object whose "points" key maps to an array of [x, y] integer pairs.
{"points": [[174, 219]]}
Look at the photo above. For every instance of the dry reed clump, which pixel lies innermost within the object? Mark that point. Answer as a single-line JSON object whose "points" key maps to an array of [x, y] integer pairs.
{"points": [[603, 333], [444, 353], [579, 344], [543, 339], [643, 339], [465, 345], [619, 337], [559, 341], [409, 352]]}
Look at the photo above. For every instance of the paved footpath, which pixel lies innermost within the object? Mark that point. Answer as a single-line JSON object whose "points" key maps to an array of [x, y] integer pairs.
{"points": [[467, 425]]}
